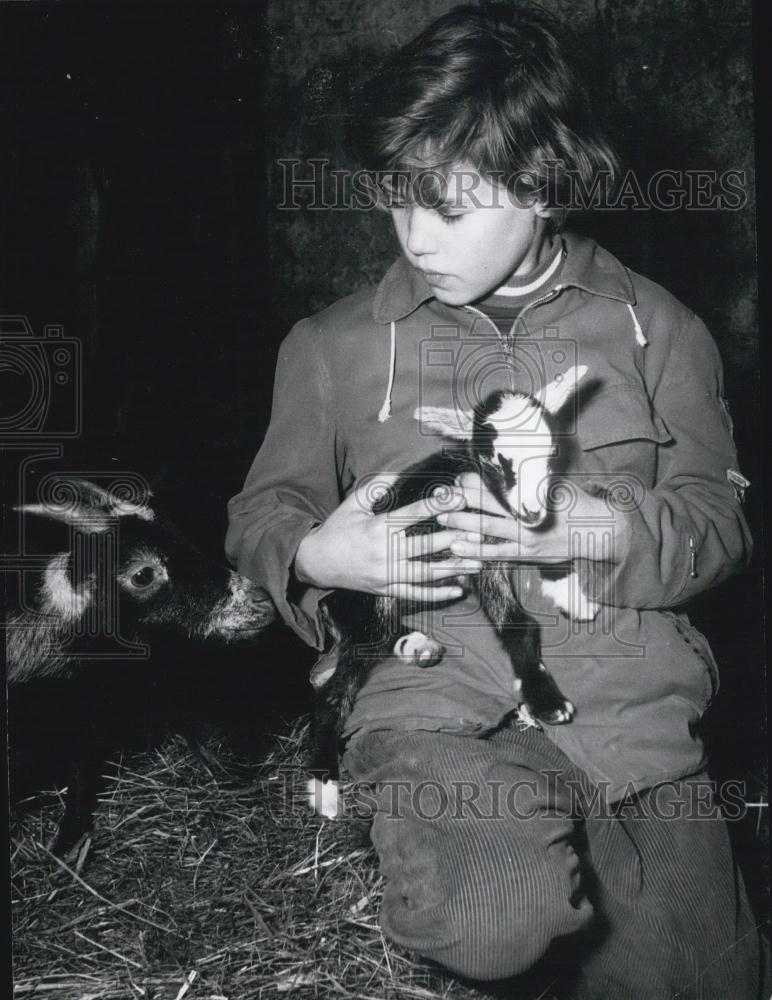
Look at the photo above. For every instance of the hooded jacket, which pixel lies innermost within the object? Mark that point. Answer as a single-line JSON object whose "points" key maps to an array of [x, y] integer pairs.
{"points": [[650, 429]]}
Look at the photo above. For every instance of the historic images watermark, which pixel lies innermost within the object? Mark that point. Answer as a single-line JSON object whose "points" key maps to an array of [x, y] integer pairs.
{"points": [[314, 184], [545, 795]]}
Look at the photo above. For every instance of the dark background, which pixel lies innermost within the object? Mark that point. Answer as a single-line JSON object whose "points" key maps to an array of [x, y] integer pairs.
{"points": [[140, 186]]}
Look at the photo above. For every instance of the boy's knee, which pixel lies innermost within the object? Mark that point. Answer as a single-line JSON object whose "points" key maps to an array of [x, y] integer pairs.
{"points": [[485, 901]]}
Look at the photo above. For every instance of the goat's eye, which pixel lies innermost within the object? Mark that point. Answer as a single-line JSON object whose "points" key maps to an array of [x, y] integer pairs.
{"points": [[143, 577]]}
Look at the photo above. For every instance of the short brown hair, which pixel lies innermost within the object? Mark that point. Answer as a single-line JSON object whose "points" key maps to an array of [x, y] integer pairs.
{"points": [[490, 85]]}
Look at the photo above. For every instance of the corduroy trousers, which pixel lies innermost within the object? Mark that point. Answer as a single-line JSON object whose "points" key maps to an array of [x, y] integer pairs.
{"points": [[501, 863]]}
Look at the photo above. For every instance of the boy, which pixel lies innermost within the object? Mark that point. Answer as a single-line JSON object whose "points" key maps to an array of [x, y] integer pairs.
{"points": [[479, 127]]}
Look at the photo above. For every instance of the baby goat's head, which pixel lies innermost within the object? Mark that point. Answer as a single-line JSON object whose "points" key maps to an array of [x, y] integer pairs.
{"points": [[112, 567], [511, 435]]}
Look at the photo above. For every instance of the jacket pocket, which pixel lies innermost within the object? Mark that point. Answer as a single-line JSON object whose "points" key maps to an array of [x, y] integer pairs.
{"points": [[695, 642], [617, 414]]}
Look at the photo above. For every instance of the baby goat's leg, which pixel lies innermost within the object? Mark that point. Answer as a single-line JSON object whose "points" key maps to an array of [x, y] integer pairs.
{"points": [[363, 637], [332, 703], [521, 637], [322, 785]]}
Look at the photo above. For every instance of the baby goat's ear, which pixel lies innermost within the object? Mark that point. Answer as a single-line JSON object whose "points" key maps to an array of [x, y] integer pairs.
{"points": [[84, 504], [557, 392], [448, 422]]}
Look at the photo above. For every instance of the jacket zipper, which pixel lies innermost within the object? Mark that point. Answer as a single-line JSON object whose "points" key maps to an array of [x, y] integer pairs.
{"points": [[553, 293], [509, 339]]}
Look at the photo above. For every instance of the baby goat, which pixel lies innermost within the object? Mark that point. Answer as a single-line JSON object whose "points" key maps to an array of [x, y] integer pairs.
{"points": [[508, 441]]}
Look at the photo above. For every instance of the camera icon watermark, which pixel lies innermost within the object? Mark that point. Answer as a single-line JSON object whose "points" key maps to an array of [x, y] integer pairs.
{"points": [[470, 365], [42, 382]]}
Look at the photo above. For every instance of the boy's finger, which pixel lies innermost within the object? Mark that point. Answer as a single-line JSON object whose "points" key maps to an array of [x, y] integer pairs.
{"points": [[427, 595], [509, 551], [443, 499], [469, 481], [418, 574], [451, 567], [430, 542], [506, 528], [478, 495], [488, 550]]}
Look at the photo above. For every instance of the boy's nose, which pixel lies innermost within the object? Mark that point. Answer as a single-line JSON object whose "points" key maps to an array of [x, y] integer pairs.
{"points": [[420, 239]]}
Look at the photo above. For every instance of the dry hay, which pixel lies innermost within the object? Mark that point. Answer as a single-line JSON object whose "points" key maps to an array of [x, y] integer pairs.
{"points": [[206, 888], [212, 889]]}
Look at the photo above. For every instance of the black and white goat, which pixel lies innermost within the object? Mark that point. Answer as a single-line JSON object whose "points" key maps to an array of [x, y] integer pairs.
{"points": [[105, 579], [508, 441]]}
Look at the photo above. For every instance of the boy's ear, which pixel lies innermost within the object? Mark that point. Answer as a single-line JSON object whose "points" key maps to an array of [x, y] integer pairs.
{"points": [[543, 211]]}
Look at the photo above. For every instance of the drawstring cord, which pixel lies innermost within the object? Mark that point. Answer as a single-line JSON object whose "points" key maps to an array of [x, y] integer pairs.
{"points": [[640, 336], [385, 411]]}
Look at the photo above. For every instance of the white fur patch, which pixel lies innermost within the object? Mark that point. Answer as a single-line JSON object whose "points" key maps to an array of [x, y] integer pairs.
{"points": [[59, 596], [554, 395], [240, 588], [523, 437], [569, 598], [94, 517], [243, 610], [323, 797], [123, 508], [446, 421], [237, 609], [418, 647], [86, 517], [518, 414]]}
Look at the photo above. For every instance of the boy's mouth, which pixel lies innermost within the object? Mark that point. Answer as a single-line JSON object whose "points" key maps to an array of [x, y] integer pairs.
{"points": [[434, 277]]}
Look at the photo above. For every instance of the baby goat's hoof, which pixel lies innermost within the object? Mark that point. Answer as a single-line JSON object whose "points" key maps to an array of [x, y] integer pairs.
{"points": [[419, 649], [323, 797], [544, 700], [560, 715]]}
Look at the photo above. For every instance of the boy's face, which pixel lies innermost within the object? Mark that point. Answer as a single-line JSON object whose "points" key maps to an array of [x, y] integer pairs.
{"points": [[470, 237]]}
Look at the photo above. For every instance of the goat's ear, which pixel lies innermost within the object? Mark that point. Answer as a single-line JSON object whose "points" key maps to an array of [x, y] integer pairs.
{"points": [[77, 514], [556, 393], [448, 422], [83, 503], [97, 498]]}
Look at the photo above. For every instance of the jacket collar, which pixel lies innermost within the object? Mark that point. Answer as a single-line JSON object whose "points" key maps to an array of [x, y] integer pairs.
{"points": [[401, 291], [587, 266]]}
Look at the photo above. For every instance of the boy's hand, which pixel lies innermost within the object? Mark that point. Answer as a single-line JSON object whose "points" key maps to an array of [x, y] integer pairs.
{"points": [[558, 543], [355, 549]]}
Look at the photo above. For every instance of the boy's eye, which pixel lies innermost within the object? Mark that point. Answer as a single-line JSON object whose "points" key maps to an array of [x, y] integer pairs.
{"points": [[450, 219]]}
